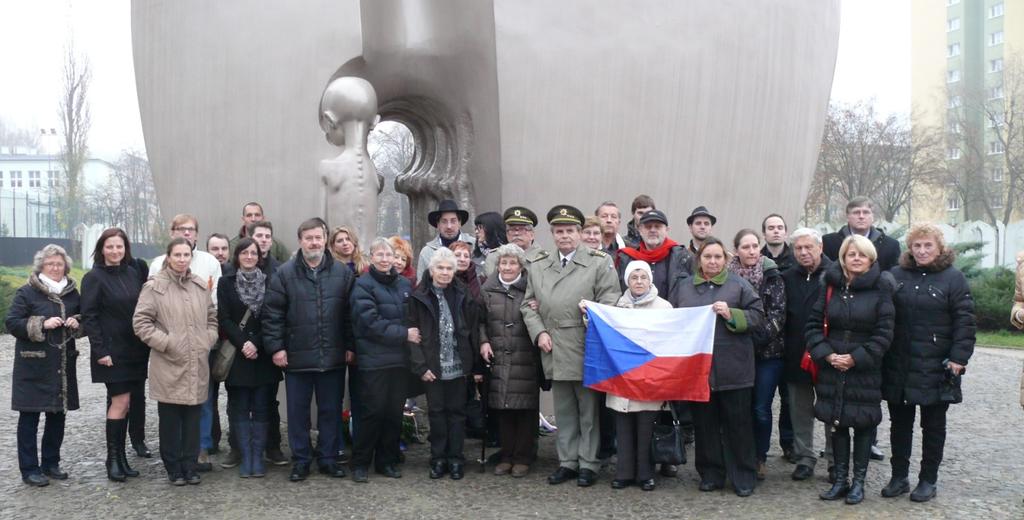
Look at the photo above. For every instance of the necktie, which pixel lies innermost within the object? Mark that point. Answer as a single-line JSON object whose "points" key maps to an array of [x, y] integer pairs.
{"points": [[565, 261]]}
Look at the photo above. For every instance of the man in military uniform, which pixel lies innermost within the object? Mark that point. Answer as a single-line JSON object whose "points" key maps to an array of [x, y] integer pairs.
{"points": [[558, 281], [519, 224]]}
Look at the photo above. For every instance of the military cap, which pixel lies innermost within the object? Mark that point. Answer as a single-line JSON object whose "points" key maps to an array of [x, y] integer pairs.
{"points": [[519, 215], [565, 214]]}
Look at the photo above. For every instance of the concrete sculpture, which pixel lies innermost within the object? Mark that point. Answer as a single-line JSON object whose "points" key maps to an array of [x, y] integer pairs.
{"points": [[705, 102]]}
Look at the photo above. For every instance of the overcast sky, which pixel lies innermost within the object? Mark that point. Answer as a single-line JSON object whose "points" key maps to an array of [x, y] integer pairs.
{"points": [[873, 62]]}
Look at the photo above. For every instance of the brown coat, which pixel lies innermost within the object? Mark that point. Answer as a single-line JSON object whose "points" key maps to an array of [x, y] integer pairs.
{"points": [[1017, 312], [175, 316]]}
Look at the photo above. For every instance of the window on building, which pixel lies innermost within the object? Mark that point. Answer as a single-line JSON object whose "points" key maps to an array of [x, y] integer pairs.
{"points": [[954, 127], [953, 153], [34, 179], [15, 179], [954, 102], [995, 65], [952, 24], [996, 174], [996, 120], [996, 10], [953, 203], [995, 92], [953, 50], [51, 178], [995, 147], [952, 76], [997, 199], [995, 38]]}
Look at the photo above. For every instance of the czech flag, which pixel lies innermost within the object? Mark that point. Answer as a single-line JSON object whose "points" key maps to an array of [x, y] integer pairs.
{"points": [[650, 354]]}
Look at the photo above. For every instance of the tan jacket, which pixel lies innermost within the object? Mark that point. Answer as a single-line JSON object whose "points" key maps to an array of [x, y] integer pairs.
{"points": [[1017, 312], [558, 291], [624, 404], [175, 316]]}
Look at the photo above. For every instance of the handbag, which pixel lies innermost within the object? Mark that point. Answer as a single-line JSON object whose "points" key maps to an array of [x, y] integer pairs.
{"points": [[667, 442], [224, 355], [806, 363]]}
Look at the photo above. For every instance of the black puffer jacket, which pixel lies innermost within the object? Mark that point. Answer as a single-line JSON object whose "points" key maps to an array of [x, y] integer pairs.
{"points": [[378, 302], [230, 311], [934, 322], [860, 323], [514, 367], [109, 295], [45, 378], [802, 290], [306, 312], [423, 313]]}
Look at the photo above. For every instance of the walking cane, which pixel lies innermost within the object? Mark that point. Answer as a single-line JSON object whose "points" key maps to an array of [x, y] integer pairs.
{"points": [[482, 389]]}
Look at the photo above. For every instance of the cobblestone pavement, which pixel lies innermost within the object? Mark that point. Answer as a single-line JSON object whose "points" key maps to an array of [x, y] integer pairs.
{"points": [[982, 476]]}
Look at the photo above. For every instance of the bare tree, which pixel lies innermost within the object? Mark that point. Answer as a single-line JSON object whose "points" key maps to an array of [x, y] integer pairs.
{"points": [[73, 109], [11, 136], [127, 199], [391, 149]]}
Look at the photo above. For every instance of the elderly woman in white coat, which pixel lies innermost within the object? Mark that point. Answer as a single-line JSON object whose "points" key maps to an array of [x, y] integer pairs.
{"points": [[634, 420]]}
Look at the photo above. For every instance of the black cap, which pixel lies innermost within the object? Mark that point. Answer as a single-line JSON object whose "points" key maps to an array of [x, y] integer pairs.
{"points": [[654, 215], [565, 214], [700, 211], [447, 206], [519, 215]]}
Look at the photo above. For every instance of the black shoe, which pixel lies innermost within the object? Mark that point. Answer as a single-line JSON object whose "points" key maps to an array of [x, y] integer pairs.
{"points": [[55, 473], [359, 474], [390, 471], [193, 478], [342, 457], [438, 469], [36, 480], [924, 491], [333, 470], [457, 471], [856, 493], [299, 472], [838, 490], [669, 470], [586, 478], [233, 459], [562, 474], [647, 485], [897, 486], [802, 472], [876, 453], [275, 456], [122, 438], [177, 479], [622, 483], [789, 455], [744, 492], [707, 485], [142, 450], [831, 474]]}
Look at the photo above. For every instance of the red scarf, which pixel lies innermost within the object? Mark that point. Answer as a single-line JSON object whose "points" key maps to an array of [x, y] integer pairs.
{"points": [[649, 255]]}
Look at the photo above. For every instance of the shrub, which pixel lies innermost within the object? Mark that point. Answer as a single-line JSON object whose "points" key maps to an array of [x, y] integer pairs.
{"points": [[993, 296], [6, 295]]}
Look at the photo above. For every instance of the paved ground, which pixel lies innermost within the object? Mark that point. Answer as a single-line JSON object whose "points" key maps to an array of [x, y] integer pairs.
{"points": [[982, 477]]}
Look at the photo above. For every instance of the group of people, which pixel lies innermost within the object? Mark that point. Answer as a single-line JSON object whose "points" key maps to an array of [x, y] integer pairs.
{"points": [[834, 324]]}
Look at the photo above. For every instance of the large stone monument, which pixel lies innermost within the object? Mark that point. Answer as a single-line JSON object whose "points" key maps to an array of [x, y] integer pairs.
{"points": [[704, 102]]}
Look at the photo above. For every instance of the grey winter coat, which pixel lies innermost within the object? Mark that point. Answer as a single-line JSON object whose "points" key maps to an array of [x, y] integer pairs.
{"points": [[514, 368]]}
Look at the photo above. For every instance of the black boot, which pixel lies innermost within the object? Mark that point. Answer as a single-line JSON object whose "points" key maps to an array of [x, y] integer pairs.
{"points": [[122, 437], [114, 470], [861, 457], [841, 458]]}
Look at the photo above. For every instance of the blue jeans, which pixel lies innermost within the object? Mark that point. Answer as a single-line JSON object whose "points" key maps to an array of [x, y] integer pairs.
{"points": [[768, 373], [206, 417]]}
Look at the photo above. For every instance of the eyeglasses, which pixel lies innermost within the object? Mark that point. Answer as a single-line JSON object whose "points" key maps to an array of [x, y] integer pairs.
{"points": [[53, 265], [186, 229]]}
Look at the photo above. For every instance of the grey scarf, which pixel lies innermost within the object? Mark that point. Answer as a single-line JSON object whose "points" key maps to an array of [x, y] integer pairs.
{"points": [[451, 365], [251, 286]]}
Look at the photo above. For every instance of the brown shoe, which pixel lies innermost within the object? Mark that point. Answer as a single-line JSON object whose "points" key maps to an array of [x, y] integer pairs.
{"points": [[762, 470], [520, 470], [502, 469]]}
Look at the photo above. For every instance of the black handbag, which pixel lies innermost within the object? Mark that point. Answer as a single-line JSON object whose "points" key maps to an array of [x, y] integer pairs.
{"points": [[224, 355], [667, 442]]}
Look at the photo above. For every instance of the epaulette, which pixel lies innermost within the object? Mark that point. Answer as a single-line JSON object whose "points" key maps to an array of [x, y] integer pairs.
{"points": [[598, 253]]}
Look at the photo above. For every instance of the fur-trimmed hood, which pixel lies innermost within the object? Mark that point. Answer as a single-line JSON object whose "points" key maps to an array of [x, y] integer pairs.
{"points": [[941, 263]]}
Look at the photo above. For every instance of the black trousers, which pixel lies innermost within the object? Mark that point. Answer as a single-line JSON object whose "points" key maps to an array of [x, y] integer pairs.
{"points": [[518, 435], [53, 437], [606, 426], [933, 438], [381, 404], [446, 411], [328, 387], [179, 436], [634, 430], [725, 422]]}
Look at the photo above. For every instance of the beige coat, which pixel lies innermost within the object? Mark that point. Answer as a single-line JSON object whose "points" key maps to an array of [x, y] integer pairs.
{"points": [[622, 404], [558, 291], [175, 316]]}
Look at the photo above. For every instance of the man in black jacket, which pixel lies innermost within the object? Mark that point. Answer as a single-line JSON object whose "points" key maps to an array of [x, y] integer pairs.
{"points": [[775, 247], [307, 330], [803, 287], [860, 219]]}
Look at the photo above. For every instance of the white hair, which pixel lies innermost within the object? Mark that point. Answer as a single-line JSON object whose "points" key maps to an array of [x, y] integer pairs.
{"points": [[46, 252], [805, 232], [442, 255]]}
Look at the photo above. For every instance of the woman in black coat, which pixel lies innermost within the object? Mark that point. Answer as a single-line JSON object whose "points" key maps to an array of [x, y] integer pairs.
{"points": [[118, 358], [253, 376], [378, 304], [848, 332], [43, 317], [933, 342], [442, 311]]}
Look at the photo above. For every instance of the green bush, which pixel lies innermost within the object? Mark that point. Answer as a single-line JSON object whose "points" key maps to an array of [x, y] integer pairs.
{"points": [[993, 296], [6, 295]]}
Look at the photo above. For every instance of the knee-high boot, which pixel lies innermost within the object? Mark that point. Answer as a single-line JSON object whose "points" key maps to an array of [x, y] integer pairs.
{"points": [[114, 470], [861, 457], [243, 429], [122, 438], [841, 459], [257, 446]]}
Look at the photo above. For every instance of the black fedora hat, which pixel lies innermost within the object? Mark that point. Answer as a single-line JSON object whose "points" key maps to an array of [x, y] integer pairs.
{"points": [[700, 211], [447, 206]]}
